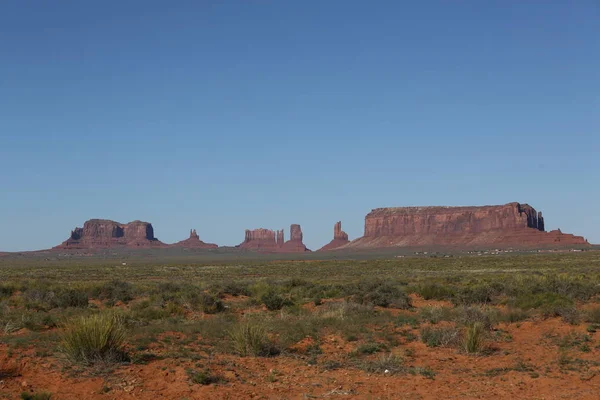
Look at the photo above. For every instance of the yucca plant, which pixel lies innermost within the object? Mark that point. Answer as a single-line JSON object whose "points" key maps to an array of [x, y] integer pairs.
{"points": [[95, 338], [473, 342]]}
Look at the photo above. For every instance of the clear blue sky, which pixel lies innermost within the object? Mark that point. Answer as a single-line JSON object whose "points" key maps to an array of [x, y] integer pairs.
{"points": [[227, 115]]}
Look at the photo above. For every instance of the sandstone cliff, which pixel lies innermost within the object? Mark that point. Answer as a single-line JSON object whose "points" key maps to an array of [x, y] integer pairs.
{"points": [[509, 225], [269, 241], [103, 233], [295, 244], [340, 238], [194, 242]]}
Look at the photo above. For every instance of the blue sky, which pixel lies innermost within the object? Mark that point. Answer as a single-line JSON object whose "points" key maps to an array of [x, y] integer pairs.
{"points": [[227, 115]]}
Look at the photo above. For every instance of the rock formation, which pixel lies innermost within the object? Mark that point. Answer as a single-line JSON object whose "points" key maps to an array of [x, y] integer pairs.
{"points": [[340, 238], [510, 225], [269, 241], [103, 233], [194, 242], [262, 239], [295, 244]]}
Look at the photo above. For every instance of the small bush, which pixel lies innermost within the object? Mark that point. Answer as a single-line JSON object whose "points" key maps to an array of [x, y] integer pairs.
{"points": [[370, 348], [385, 295], [71, 298], [514, 315], [434, 291], [386, 363], [470, 315], [204, 377], [95, 338], [435, 314], [36, 396], [475, 294], [544, 301], [211, 304], [272, 300], [114, 291], [593, 315], [251, 339], [440, 336], [473, 341]]}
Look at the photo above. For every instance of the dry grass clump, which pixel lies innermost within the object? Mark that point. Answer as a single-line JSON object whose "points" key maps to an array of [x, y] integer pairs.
{"points": [[95, 338]]}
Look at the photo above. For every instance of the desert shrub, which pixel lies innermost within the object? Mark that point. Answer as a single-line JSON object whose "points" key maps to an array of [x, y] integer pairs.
{"points": [[386, 363], [114, 291], [550, 304], [36, 396], [6, 291], [71, 298], [435, 314], [204, 377], [384, 295], [473, 294], [469, 315], [440, 336], [233, 289], [251, 339], [211, 304], [474, 337], [513, 315], [95, 338], [434, 291], [593, 315], [272, 300], [370, 348]]}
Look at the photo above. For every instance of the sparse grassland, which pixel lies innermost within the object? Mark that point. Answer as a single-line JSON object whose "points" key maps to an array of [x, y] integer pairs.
{"points": [[285, 328]]}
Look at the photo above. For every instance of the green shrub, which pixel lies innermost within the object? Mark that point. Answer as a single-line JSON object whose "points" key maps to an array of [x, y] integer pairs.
{"points": [[272, 300], [386, 363], [473, 341], [435, 314], [211, 304], [204, 377], [36, 396], [251, 339], [440, 336], [512, 315], [473, 294], [434, 291], [114, 291], [468, 316], [593, 315], [370, 348], [384, 295], [95, 338], [71, 298]]}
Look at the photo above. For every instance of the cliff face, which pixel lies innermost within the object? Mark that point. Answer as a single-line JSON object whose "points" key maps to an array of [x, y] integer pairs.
{"points": [[103, 233], [295, 244], [513, 224], [194, 242], [340, 238], [269, 241]]}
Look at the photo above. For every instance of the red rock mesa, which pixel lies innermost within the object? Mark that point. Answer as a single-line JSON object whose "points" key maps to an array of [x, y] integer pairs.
{"points": [[194, 242], [510, 225]]}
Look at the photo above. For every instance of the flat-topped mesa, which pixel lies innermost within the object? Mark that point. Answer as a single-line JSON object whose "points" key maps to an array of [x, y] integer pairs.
{"points": [[295, 244], [104, 233], [194, 242], [509, 225], [261, 239], [340, 238]]}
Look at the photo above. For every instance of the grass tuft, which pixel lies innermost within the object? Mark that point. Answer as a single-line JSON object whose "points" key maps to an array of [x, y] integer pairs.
{"points": [[96, 338]]}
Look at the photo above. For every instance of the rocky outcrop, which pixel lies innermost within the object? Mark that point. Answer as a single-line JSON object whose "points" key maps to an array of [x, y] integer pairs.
{"points": [[265, 240], [340, 238], [295, 244], [511, 225], [269, 241], [194, 242], [103, 233]]}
